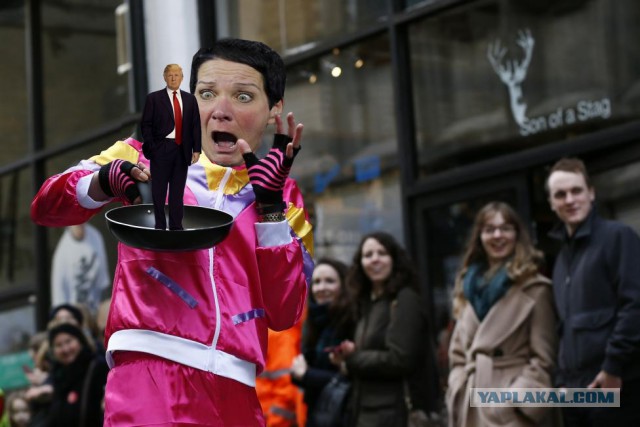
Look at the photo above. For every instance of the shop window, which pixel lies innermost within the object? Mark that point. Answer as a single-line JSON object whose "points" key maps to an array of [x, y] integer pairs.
{"points": [[349, 160], [342, 215], [16, 238], [410, 4], [13, 108], [494, 77], [293, 25], [617, 194], [82, 87]]}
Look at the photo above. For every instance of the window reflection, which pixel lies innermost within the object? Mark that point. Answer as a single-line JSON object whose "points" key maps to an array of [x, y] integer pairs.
{"points": [[13, 108], [618, 195], [343, 214], [349, 127], [349, 143], [83, 89], [289, 26], [16, 243], [496, 77]]}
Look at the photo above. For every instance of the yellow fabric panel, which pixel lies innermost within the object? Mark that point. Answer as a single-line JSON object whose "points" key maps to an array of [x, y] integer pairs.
{"points": [[238, 179], [301, 226], [119, 150]]}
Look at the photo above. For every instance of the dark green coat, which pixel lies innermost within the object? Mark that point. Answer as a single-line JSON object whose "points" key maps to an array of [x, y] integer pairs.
{"points": [[390, 345]]}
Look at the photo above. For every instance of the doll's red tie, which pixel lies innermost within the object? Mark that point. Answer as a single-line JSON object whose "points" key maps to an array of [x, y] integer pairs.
{"points": [[178, 118]]}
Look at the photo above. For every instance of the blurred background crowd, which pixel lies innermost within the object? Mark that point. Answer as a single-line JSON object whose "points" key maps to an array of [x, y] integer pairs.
{"points": [[363, 354]]}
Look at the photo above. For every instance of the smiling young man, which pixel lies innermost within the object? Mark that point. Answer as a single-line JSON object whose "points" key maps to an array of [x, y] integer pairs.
{"points": [[596, 280]]}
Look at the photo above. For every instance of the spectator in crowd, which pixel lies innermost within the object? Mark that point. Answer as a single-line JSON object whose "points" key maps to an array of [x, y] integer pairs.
{"points": [[78, 377], [66, 313], [596, 282], [18, 412], [40, 390], [278, 396], [37, 375], [78, 315], [504, 336], [391, 333], [80, 270], [329, 322]]}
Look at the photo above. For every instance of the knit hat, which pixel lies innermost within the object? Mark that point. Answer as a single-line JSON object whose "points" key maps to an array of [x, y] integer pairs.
{"points": [[70, 329], [75, 312]]}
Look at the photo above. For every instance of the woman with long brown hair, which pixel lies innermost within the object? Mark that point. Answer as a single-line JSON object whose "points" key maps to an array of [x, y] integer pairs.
{"points": [[391, 344], [505, 331]]}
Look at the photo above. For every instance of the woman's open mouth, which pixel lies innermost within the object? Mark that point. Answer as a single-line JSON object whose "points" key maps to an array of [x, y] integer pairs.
{"points": [[224, 139]]}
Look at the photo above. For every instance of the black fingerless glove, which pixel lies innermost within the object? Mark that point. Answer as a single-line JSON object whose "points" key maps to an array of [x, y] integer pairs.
{"points": [[116, 181], [268, 175]]}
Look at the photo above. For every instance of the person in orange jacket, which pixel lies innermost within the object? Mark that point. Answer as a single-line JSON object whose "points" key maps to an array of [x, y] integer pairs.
{"points": [[280, 399]]}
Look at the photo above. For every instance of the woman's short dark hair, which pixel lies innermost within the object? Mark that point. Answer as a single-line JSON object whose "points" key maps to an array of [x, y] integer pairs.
{"points": [[255, 54]]}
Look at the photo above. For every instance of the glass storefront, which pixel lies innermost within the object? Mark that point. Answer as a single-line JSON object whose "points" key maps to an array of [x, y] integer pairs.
{"points": [[13, 108], [291, 26], [618, 195], [348, 167], [495, 77], [82, 89], [16, 231]]}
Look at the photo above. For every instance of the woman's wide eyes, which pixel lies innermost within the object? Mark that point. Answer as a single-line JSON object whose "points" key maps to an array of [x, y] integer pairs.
{"points": [[206, 94]]}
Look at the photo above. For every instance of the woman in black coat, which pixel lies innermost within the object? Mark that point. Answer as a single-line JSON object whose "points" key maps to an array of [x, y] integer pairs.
{"points": [[391, 345], [329, 322], [78, 376]]}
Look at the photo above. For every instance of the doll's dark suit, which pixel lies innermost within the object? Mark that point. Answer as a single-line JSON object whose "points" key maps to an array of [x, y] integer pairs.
{"points": [[169, 161]]}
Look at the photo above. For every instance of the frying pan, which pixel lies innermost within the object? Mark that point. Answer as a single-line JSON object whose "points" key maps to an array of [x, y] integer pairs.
{"points": [[134, 226]]}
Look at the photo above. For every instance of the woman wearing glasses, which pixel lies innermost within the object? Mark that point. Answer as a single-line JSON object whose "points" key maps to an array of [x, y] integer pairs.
{"points": [[505, 331]]}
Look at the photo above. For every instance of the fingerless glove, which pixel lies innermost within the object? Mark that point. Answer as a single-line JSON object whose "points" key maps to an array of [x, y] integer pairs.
{"points": [[268, 175], [116, 181]]}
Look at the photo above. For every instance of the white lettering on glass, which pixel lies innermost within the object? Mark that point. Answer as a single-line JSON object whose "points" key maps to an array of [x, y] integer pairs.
{"points": [[513, 72]]}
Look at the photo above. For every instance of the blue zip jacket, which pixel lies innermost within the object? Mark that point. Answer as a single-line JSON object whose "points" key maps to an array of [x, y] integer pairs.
{"points": [[596, 282]]}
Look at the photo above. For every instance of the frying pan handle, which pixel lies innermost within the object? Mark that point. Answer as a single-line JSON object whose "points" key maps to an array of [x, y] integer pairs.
{"points": [[145, 192]]}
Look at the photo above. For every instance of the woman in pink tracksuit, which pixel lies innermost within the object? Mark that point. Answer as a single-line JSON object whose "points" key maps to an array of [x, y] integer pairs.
{"points": [[187, 331]]}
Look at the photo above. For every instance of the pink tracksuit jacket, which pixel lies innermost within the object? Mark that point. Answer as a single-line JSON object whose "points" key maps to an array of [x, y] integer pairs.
{"points": [[207, 309]]}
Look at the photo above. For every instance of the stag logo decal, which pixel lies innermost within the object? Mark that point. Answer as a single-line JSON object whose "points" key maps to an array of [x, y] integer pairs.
{"points": [[512, 72]]}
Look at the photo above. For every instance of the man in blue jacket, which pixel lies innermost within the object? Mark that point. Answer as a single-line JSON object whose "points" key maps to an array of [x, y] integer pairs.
{"points": [[596, 281]]}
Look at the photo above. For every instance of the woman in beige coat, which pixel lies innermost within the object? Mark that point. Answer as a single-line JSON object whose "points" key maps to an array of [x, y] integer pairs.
{"points": [[505, 331]]}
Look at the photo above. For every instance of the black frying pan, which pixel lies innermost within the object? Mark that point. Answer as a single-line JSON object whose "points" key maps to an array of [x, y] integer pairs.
{"points": [[134, 226]]}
